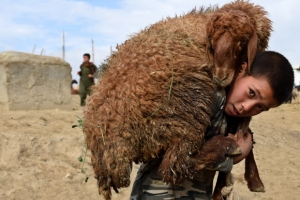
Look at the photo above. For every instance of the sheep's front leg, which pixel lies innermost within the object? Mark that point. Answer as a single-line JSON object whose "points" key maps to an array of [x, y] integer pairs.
{"points": [[179, 164], [221, 183], [215, 150], [251, 174]]}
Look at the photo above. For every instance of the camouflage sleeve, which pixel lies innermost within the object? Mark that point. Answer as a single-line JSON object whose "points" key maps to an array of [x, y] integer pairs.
{"points": [[149, 185], [218, 125], [218, 122]]}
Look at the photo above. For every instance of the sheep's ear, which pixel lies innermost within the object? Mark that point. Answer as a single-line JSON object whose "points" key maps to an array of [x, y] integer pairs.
{"points": [[251, 50], [209, 54], [210, 30]]}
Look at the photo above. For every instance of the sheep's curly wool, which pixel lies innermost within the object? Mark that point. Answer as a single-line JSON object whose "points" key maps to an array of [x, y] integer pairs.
{"points": [[154, 99]]}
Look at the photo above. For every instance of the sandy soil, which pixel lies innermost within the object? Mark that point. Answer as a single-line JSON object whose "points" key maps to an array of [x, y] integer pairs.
{"points": [[39, 152]]}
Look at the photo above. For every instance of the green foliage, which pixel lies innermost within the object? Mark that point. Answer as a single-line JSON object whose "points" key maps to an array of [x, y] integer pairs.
{"points": [[80, 159], [102, 68]]}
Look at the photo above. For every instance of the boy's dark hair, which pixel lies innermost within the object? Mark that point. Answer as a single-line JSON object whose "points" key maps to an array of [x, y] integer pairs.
{"points": [[278, 71], [87, 55]]}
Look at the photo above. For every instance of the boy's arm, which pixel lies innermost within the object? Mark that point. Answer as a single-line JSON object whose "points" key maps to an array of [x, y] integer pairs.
{"points": [[95, 68], [95, 71], [79, 72], [245, 143]]}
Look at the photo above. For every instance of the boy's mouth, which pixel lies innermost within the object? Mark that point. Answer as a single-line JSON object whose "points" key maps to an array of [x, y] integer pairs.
{"points": [[235, 112]]}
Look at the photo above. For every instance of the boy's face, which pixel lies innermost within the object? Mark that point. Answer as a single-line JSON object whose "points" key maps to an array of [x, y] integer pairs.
{"points": [[85, 59], [248, 96]]}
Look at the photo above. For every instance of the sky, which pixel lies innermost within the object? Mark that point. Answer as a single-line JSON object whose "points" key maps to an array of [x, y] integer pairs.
{"points": [[28, 23]]}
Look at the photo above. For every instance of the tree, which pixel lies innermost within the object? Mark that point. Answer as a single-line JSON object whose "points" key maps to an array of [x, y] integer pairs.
{"points": [[102, 68]]}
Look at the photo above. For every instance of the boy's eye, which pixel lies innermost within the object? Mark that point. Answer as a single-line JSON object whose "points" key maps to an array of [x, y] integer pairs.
{"points": [[260, 108], [252, 93]]}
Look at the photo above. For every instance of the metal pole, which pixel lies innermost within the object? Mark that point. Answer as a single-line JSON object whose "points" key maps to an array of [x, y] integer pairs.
{"points": [[63, 47], [33, 49], [110, 50], [93, 58], [42, 51]]}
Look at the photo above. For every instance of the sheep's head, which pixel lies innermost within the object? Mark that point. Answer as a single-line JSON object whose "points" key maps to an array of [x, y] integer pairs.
{"points": [[256, 12], [231, 39]]}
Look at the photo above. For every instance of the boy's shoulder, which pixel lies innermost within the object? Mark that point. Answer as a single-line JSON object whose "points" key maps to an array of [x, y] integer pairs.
{"points": [[89, 64], [92, 64], [219, 100], [218, 122]]}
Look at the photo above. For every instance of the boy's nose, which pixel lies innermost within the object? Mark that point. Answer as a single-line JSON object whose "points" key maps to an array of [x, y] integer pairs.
{"points": [[247, 106]]}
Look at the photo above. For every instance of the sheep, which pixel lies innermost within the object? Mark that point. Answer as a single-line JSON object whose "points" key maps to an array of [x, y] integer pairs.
{"points": [[155, 97], [289, 100], [293, 95], [74, 90]]}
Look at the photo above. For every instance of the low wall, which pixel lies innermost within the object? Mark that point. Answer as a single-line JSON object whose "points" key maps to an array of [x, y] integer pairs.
{"points": [[33, 82]]}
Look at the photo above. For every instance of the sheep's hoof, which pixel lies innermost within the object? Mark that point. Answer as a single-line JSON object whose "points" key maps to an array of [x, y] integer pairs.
{"points": [[115, 189], [200, 167], [104, 189], [105, 192], [255, 185], [237, 151], [256, 188]]}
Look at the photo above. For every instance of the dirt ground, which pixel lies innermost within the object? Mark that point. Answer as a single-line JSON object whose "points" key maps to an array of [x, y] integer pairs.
{"points": [[39, 153]]}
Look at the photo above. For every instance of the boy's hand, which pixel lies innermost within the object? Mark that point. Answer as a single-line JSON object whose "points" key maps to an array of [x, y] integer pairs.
{"points": [[90, 76], [245, 144]]}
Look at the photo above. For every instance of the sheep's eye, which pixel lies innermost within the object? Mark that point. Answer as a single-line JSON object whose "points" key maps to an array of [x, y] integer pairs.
{"points": [[252, 93], [211, 49]]}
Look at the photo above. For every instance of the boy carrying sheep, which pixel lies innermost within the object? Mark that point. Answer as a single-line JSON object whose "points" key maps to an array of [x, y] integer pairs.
{"points": [[267, 86]]}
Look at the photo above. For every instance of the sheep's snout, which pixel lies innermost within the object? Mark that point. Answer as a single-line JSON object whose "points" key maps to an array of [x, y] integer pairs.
{"points": [[225, 79]]}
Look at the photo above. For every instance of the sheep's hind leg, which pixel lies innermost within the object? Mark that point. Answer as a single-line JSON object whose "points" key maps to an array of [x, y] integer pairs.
{"points": [[104, 189], [251, 174], [103, 174], [175, 166], [117, 167], [103, 181]]}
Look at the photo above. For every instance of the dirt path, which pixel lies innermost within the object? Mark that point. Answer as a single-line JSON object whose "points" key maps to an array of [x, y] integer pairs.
{"points": [[39, 151]]}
